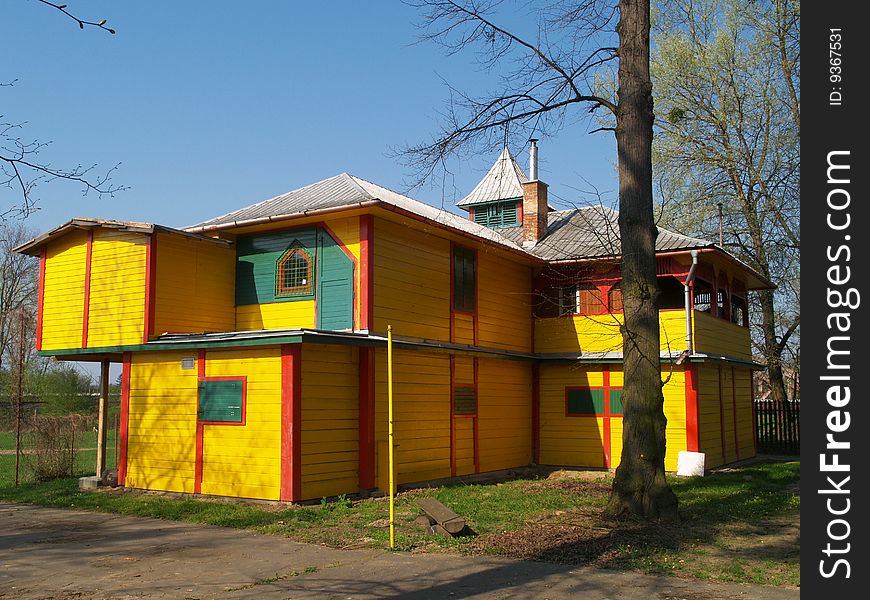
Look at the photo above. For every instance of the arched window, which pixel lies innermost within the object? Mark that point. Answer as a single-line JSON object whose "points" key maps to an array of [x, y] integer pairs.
{"points": [[293, 273]]}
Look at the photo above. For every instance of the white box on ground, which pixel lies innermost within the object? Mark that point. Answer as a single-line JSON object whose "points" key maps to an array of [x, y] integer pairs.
{"points": [[690, 464]]}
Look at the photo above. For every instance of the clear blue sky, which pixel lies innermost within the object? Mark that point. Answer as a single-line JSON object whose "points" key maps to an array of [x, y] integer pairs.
{"points": [[213, 106]]}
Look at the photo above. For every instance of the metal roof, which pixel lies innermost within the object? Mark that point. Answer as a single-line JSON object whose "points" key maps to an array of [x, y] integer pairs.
{"points": [[33, 246], [345, 191], [592, 232], [504, 181]]}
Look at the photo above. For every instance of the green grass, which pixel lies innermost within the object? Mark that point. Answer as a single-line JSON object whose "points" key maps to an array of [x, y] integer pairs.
{"points": [[726, 518]]}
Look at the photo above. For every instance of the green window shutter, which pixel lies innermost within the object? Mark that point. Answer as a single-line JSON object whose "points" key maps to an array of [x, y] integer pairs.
{"points": [[220, 400], [509, 215], [464, 401], [585, 401], [616, 402], [481, 216]]}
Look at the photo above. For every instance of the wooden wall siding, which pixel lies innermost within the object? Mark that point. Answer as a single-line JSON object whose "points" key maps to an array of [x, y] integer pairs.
{"points": [[330, 418], [463, 328], [63, 292], [421, 415], [194, 286], [718, 336], [280, 315], [464, 455], [570, 441], [600, 333], [412, 282], [245, 461], [116, 315], [709, 415], [580, 441], [504, 406], [161, 422], [745, 424], [503, 307]]}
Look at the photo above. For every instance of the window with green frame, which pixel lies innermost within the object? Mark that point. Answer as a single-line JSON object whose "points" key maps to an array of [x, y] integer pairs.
{"points": [[583, 402], [497, 214], [464, 279]]}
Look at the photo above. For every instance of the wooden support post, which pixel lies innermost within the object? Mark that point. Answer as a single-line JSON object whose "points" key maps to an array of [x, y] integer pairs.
{"points": [[103, 417]]}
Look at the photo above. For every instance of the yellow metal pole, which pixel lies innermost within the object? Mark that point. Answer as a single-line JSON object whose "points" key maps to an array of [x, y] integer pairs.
{"points": [[390, 417]]}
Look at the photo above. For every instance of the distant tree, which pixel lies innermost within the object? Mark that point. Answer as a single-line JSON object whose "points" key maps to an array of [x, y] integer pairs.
{"points": [[63, 389], [21, 167], [726, 75], [577, 43]]}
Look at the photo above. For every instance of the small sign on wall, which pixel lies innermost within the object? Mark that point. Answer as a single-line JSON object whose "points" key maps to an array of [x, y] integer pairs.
{"points": [[188, 363]]}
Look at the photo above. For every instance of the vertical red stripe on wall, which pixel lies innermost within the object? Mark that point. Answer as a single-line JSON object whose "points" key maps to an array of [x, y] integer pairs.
{"points": [[691, 383], [197, 474], [452, 401], [86, 308], [124, 418], [366, 418], [536, 413], [366, 273], [475, 317], [475, 365], [291, 422], [40, 302], [150, 278], [605, 373]]}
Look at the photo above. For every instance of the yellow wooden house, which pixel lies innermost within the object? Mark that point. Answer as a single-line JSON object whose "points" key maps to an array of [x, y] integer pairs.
{"points": [[253, 344]]}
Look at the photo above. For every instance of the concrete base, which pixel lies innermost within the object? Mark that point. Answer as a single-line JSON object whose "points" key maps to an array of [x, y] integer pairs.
{"points": [[89, 483]]}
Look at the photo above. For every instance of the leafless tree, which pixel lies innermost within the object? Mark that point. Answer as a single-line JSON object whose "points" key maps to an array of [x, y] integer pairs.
{"points": [[22, 168], [544, 79]]}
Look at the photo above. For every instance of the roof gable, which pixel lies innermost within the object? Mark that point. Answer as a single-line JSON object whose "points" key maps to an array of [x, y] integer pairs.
{"points": [[504, 181]]}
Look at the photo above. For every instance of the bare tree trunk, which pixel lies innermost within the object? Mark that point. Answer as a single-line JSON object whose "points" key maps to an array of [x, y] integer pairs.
{"points": [[640, 487]]}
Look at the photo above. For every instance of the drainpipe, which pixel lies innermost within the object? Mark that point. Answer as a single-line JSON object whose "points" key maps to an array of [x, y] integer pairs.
{"points": [[688, 302]]}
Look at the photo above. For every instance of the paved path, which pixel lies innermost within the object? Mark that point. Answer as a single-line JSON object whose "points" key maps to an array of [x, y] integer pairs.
{"points": [[68, 554]]}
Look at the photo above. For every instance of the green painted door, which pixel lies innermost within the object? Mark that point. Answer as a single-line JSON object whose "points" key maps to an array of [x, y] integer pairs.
{"points": [[334, 285]]}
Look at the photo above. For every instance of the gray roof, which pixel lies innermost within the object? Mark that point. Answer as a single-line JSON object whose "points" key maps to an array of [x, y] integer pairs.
{"points": [[592, 232], [504, 181], [345, 191]]}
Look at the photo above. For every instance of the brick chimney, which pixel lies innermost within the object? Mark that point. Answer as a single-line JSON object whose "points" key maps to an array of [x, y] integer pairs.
{"points": [[535, 205]]}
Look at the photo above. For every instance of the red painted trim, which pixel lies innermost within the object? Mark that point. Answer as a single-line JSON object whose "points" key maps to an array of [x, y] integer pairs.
{"points": [[734, 412], [349, 254], [197, 469], [605, 372], [471, 214], [86, 308], [366, 418], [722, 416], [452, 398], [150, 279], [124, 417], [536, 413], [367, 272], [692, 424], [476, 367], [291, 422], [520, 211], [40, 303]]}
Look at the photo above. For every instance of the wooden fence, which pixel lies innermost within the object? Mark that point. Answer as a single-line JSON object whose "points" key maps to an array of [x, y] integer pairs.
{"points": [[778, 426]]}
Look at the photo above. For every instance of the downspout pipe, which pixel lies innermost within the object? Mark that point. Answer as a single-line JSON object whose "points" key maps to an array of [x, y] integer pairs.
{"points": [[688, 302]]}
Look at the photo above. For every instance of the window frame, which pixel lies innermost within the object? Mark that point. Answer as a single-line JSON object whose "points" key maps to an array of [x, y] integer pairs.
{"points": [[606, 400], [306, 291], [464, 293]]}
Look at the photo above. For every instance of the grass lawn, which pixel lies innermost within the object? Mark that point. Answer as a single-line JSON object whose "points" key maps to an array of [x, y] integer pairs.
{"points": [[737, 525]]}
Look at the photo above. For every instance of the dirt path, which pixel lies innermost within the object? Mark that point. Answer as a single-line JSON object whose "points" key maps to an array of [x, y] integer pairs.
{"points": [[67, 554]]}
